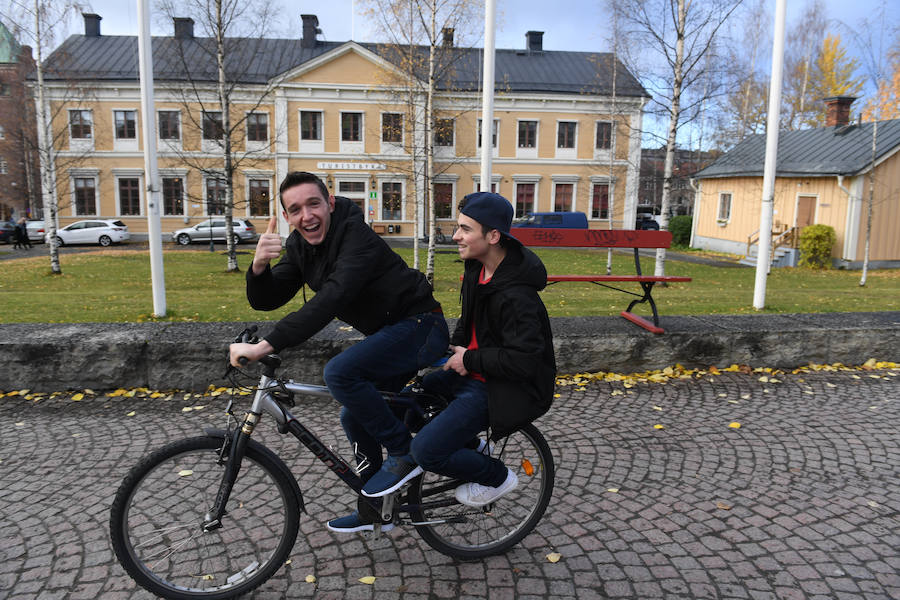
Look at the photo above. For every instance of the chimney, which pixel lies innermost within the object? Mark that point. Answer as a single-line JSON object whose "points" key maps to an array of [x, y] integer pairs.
{"points": [[91, 24], [310, 30], [535, 41], [448, 36], [837, 110], [184, 27]]}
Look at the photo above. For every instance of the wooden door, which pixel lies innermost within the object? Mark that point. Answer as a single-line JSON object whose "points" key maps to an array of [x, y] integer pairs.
{"points": [[806, 211]]}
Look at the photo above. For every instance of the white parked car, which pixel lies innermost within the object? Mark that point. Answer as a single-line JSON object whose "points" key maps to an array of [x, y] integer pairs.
{"points": [[244, 231], [93, 231]]}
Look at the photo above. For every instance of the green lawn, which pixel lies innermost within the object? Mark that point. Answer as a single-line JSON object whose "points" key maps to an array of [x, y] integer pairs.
{"points": [[114, 286]]}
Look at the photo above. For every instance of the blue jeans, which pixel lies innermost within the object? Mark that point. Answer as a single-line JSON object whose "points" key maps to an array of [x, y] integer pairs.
{"points": [[388, 357], [441, 446]]}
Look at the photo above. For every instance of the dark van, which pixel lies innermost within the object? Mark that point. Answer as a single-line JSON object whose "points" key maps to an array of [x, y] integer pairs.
{"points": [[559, 220]]}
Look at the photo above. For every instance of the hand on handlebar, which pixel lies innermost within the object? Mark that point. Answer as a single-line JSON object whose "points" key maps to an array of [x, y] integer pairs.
{"points": [[249, 352], [455, 361], [268, 246]]}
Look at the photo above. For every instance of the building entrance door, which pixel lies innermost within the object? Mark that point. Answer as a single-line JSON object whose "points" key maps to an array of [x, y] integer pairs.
{"points": [[806, 211]]}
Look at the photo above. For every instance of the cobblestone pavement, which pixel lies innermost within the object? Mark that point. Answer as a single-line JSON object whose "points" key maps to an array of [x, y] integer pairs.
{"points": [[801, 501]]}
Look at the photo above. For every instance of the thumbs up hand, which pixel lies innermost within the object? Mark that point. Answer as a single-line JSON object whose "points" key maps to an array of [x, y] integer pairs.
{"points": [[268, 246]]}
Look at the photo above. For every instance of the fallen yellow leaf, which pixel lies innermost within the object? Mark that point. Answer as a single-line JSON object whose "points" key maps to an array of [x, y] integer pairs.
{"points": [[554, 557], [368, 580], [77, 397], [723, 506], [734, 425], [658, 426], [131, 414], [310, 579], [185, 473], [613, 490]]}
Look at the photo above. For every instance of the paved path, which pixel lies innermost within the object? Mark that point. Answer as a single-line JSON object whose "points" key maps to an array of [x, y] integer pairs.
{"points": [[801, 502]]}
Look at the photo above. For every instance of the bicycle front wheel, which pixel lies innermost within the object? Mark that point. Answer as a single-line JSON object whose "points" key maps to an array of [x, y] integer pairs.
{"points": [[471, 533], [158, 513]]}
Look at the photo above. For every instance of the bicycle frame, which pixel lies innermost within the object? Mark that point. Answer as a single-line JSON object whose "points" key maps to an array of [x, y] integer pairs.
{"points": [[265, 403]]}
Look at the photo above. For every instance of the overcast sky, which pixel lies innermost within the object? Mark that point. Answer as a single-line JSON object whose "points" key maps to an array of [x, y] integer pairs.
{"points": [[567, 24]]}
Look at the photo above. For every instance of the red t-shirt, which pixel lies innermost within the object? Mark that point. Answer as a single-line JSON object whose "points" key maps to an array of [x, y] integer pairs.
{"points": [[473, 342]]}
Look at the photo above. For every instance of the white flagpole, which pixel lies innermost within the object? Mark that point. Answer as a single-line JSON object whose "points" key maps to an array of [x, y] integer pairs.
{"points": [[151, 172], [768, 195], [487, 95]]}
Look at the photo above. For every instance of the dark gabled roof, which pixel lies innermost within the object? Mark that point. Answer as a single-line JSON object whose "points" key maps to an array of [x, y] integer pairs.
{"points": [[839, 150], [257, 61]]}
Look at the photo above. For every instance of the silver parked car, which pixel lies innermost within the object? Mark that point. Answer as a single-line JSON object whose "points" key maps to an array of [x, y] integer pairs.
{"points": [[93, 231], [244, 231], [36, 233]]}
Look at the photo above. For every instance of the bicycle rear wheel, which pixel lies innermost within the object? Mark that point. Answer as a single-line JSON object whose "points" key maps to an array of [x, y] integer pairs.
{"points": [[158, 512], [471, 533]]}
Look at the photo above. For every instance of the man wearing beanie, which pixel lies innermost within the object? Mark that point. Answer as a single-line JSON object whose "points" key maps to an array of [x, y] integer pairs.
{"points": [[502, 370]]}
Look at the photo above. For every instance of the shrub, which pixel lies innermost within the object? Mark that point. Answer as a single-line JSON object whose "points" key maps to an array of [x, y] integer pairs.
{"points": [[680, 227], [816, 242]]}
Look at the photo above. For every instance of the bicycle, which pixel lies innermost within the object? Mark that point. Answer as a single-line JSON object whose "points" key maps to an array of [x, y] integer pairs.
{"points": [[215, 516]]}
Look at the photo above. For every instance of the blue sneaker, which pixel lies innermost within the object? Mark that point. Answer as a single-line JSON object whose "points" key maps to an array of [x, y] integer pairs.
{"points": [[353, 523], [395, 471]]}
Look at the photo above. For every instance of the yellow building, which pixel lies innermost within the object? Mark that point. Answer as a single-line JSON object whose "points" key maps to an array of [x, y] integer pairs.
{"points": [[562, 140], [822, 177]]}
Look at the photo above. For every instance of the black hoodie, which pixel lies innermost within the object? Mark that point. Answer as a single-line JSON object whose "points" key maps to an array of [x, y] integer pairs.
{"points": [[355, 274], [515, 343]]}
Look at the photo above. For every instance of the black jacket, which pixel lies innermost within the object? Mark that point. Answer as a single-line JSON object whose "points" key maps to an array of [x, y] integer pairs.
{"points": [[515, 344], [355, 274]]}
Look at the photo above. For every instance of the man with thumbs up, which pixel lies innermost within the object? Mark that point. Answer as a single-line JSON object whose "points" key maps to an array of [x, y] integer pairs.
{"points": [[361, 281]]}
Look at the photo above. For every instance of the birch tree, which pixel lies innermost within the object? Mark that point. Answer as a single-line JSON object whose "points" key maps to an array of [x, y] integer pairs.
{"points": [[743, 109], [235, 32], [668, 43], [38, 23], [804, 42], [413, 30]]}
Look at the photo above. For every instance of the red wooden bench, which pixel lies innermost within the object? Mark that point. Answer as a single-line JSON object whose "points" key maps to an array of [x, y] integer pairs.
{"points": [[603, 238]]}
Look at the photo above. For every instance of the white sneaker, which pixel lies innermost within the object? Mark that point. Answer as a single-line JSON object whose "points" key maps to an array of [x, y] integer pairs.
{"points": [[475, 494]]}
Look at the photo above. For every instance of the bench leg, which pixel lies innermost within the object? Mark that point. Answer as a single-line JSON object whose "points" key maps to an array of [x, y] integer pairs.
{"points": [[640, 321]]}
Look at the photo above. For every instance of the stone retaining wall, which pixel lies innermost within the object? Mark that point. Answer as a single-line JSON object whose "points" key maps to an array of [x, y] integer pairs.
{"points": [[49, 357]]}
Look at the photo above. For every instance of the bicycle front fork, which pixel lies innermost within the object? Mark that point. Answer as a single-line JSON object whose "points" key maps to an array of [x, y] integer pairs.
{"points": [[234, 446]]}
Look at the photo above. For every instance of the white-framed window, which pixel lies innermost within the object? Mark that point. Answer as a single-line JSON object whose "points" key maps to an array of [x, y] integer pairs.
{"points": [[125, 130], [600, 192], [444, 193], [259, 194], [354, 187], [604, 138], [81, 129], [723, 215], [4, 166], [215, 192], [257, 131], [172, 194], [169, 129], [85, 196], [565, 193], [392, 133], [311, 138], [495, 183], [352, 132], [391, 200], [444, 136], [526, 198], [566, 139], [495, 134], [213, 130], [527, 138], [128, 195]]}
